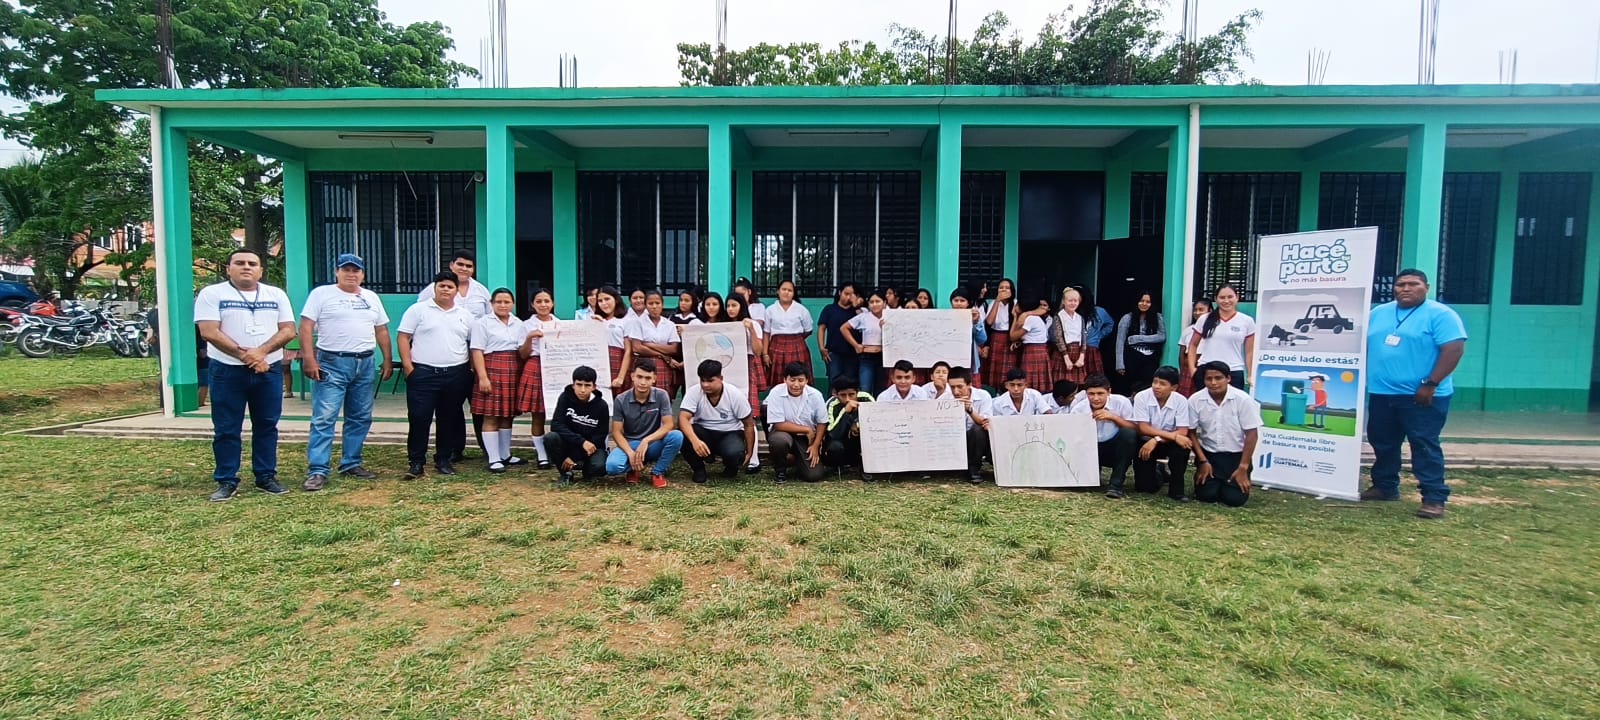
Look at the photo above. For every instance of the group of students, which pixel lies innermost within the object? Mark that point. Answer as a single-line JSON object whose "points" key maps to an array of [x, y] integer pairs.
{"points": [[461, 345]]}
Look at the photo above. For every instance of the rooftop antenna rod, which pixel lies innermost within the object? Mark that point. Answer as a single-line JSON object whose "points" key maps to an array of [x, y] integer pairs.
{"points": [[1191, 36], [501, 63], [1427, 41], [720, 70], [950, 47], [1508, 67], [1317, 65]]}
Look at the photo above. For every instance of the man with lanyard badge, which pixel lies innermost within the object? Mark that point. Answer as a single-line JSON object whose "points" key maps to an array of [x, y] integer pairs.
{"points": [[245, 324]]}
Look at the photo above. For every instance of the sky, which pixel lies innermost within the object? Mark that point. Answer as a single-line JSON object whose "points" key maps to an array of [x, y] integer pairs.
{"points": [[622, 43], [633, 43]]}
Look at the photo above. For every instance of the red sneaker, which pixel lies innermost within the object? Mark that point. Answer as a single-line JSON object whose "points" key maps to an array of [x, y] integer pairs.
{"points": [[658, 481], [633, 477]]}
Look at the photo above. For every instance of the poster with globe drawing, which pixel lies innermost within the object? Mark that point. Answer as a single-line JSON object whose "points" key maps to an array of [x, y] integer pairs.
{"points": [[726, 343], [1044, 451]]}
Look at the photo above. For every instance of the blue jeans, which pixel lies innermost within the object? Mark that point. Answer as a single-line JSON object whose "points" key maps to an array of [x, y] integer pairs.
{"points": [[869, 371], [347, 384], [233, 389], [1393, 418], [663, 451], [841, 364]]}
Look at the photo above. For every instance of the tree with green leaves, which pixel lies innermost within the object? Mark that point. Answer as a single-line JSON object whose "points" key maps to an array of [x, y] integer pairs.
{"points": [[56, 53], [1113, 42]]}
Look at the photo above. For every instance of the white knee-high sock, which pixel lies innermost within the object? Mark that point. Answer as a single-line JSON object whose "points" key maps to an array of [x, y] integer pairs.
{"points": [[491, 447], [505, 444], [538, 447]]}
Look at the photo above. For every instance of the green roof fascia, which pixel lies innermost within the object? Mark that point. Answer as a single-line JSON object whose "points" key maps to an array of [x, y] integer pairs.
{"points": [[1200, 93]]}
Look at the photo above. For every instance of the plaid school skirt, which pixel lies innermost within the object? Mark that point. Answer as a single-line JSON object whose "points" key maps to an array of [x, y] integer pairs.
{"points": [[758, 375], [530, 392], [785, 349], [615, 353], [666, 378], [505, 384], [1000, 361], [1037, 364], [1185, 383], [1091, 364]]}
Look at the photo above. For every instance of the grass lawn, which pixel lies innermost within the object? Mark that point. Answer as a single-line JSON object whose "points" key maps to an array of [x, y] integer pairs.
{"points": [[94, 384], [98, 366], [126, 595]]}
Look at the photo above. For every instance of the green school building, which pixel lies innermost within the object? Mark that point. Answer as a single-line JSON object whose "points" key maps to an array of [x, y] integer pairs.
{"points": [[1489, 189]]}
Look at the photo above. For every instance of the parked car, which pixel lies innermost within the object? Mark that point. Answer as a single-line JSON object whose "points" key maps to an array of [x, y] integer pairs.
{"points": [[1324, 317], [16, 295]]}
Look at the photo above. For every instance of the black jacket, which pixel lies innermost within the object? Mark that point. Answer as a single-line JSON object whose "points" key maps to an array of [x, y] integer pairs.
{"points": [[576, 421]]}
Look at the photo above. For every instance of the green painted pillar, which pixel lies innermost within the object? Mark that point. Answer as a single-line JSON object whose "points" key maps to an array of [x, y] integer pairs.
{"points": [[564, 238], [1119, 196], [1505, 243], [1013, 229], [928, 224], [1419, 238], [497, 246], [1179, 288], [1310, 198], [744, 257], [719, 200], [944, 272], [177, 309], [296, 231]]}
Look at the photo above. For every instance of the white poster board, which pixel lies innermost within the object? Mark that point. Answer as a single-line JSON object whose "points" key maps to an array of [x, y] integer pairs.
{"points": [[927, 336], [1315, 296], [1044, 451], [570, 344], [727, 343], [918, 435]]}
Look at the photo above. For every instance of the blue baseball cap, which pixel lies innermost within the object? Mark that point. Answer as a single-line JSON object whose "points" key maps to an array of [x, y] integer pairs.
{"points": [[350, 259]]}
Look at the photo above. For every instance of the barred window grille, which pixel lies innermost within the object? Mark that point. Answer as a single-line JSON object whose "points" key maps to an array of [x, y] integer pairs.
{"points": [[1552, 223], [642, 229], [1363, 200], [1236, 209], [1467, 225], [821, 229], [406, 226], [983, 229], [1147, 205]]}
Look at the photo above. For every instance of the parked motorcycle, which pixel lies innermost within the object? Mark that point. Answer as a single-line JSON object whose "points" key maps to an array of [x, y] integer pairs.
{"points": [[75, 329]]}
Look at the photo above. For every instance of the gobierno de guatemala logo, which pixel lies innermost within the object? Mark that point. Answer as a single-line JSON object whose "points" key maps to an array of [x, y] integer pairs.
{"points": [[1304, 259]]}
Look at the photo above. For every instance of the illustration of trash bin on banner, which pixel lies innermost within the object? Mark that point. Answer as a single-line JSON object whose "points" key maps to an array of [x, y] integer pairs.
{"points": [[1293, 403]]}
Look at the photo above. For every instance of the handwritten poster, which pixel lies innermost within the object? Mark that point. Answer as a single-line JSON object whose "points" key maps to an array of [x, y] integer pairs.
{"points": [[927, 336], [727, 343], [918, 435], [570, 344], [1044, 451]]}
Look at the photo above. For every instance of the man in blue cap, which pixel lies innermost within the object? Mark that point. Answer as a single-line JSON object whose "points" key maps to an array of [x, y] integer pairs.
{"points": [[349, 325]]}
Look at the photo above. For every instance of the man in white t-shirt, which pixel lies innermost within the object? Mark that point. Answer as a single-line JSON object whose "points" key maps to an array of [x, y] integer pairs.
{"points": [[1115, 433], [1164, 418], [344, 340], [471, 295], [245, 324], [1227, 421], [716, 419]]}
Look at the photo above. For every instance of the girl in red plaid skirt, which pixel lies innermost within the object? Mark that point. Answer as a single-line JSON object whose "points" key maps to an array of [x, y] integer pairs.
{"points": [[607, 304], [1033, 332], [530, 394], [738, 311], [788, 325], [1001, 352], [494, 343], [1075, 359], [1186, 383], [654, 336]]}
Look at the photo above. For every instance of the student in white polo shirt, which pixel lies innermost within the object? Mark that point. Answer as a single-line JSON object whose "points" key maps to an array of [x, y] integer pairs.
{"points": [[434, 337], [1018, 398], [245, 323], [716, 419], [1164, 418], [1226, 419], [1115, 433], [346, 325], [904, 387], [797, 424], [471, 295], [1227, 335], [976, 404]]}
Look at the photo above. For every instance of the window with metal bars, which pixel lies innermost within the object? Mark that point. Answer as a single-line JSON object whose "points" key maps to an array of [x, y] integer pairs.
{"points": [[1235, 210], [1469, 215], [1147, 205], [983, 229], [406, 226], [642, 229], [1350, 200], [1552, 223], [821, 229]]}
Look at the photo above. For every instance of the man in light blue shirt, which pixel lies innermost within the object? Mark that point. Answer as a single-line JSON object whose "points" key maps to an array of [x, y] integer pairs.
{"points": [[1413, 345]]}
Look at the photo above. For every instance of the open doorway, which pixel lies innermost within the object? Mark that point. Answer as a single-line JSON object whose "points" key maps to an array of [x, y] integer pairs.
{"points": [[535, 232], [1058, 231]]}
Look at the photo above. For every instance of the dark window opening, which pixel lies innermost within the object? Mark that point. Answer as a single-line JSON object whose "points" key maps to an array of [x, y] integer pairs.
{"points": [[821, 229], [642, 229], [1467, 225], [983, 229], [1351, 200], [404, 225], [1236, 209], [1552, 225]]}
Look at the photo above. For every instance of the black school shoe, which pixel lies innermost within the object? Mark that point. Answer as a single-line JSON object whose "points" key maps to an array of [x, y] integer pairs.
{"points": [[225, 492], [360, 473], [270, 486], [414, 472]]}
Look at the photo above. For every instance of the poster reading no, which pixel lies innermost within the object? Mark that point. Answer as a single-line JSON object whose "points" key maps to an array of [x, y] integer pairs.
{"points": [[727, 343], [1044, 451], [570, 344], [1315, 293], [927, 336], [918, 435]]}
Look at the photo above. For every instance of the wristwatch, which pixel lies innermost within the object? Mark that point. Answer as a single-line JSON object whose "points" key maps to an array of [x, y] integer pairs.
{"points": [[1429, 382]]}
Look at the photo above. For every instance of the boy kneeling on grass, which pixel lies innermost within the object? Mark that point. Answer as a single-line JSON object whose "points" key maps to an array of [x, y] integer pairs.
{"points": [[577, 437], [1226, 419], [1164, 419], [843, 446], [716, 420], [1116, 434], [797, 423]]}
